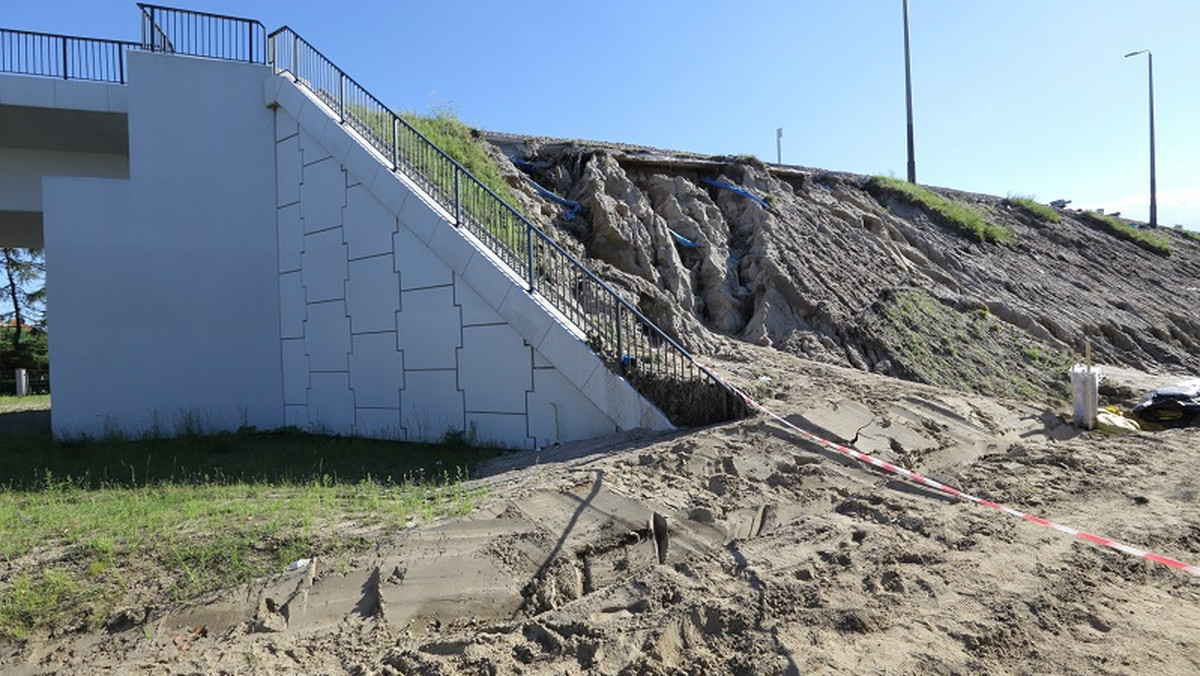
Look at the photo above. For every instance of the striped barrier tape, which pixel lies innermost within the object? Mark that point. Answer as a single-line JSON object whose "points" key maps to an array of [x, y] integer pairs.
{"points": [[950, 490]]}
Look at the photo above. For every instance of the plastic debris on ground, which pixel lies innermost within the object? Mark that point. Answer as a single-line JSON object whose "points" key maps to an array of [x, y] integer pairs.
{"points": [[1174, 405], [1110, 420]]}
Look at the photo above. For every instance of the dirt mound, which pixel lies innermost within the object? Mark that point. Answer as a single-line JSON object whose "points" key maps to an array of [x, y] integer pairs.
{"points": [[818, 265]]}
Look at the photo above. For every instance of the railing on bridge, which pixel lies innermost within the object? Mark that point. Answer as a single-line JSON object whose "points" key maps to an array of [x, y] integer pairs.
{"points": [[63, 56], [625, 338], [216, 36]]}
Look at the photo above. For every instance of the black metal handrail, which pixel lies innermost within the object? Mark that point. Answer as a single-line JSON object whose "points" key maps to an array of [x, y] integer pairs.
{"points": [[625, 338], [216, 36], [63, 56]]}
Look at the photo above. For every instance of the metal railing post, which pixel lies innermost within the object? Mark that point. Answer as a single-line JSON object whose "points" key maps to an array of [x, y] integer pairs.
{"points": [[620, 346], [342, 96], [457, 199], [250, 43], [395, 143], [64, 58], [529, 248], [295, 57], [153, 31]]}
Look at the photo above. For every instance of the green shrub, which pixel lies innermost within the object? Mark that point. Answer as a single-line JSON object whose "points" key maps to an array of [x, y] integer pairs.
{"points": [[1147, 239], [966, 219], [1033, 208]]}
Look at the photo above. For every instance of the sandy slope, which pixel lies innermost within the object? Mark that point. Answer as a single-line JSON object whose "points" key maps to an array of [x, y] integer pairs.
{"points": [[779, 558]]}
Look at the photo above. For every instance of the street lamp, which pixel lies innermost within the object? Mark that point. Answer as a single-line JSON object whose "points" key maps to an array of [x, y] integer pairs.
{"points": [[1153, 201], [912, 162]]}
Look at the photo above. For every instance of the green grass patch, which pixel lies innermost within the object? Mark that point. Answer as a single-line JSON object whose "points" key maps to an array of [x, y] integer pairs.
{"points": [[1190, 234], [83, 526], [33, 402], [459, 141], [1034, 208], [1150, 240], [931, 341], [966, 219], [434, 173]]}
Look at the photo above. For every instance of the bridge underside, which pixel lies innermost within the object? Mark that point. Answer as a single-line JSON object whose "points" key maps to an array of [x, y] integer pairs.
{"points": [[88, 136]]}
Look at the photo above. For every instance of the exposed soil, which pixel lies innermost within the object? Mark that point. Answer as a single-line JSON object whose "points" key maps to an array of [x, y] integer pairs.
{"points": [[814, 264]]}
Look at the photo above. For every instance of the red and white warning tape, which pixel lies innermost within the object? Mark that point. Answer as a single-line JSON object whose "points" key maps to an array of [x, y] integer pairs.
{"points": [[950, 490]]}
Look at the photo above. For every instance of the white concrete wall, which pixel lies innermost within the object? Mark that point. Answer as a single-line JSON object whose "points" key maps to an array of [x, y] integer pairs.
{"points": [[263, 267], [164, 287], [395, 323]]}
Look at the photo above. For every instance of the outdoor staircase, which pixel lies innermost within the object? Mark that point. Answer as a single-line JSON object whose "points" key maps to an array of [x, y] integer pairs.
{"points": [[629, 343]]}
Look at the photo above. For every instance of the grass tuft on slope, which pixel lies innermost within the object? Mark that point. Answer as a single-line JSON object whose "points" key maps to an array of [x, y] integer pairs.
{"points": [[964, 218]]}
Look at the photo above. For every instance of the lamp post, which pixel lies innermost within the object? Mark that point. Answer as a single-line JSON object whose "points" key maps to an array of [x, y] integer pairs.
{"points": [[912, 162], [1153, 200]]}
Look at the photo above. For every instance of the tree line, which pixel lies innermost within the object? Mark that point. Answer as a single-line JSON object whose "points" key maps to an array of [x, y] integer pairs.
{"points": [[22, 309]]}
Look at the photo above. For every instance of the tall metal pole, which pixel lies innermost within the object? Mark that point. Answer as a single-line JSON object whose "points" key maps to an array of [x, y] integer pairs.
{"points": [[1153, 186], [779, 145], [912, 162], [1153, 196]]}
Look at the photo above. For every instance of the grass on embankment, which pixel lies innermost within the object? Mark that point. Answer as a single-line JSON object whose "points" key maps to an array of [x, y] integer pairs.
{"points": [[1190, 234], [932, 341], [1149, 240], [457, 140], [1034, 208], [964, 218], [85, 528]]}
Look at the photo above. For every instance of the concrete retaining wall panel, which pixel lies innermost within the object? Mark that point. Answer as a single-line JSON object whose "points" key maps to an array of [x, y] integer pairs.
{"points": [[324, 266], [331, 404], [432, 404], [377, 371], [495, 369], [369, 225], [292, 305], [373, 294], [327, 336]]}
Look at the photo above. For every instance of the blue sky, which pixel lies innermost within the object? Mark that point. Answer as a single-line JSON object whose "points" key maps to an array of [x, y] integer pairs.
{"points": [[1028, 97]]}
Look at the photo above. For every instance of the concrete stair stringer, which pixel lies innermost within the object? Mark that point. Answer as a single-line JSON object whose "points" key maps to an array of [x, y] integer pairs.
{"points": [[533, 317]]}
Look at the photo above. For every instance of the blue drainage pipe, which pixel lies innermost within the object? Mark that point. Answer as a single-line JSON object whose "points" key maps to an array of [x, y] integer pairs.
{"points": [[683, 241], [526, 164], [571, 206], [741, 191]]}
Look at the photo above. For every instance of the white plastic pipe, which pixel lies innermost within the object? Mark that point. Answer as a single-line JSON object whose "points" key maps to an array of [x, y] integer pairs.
{"points": [[1085, 386]]}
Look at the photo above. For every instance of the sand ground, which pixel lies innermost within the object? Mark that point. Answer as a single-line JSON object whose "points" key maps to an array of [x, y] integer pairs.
{"points": [[744, 549]]}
